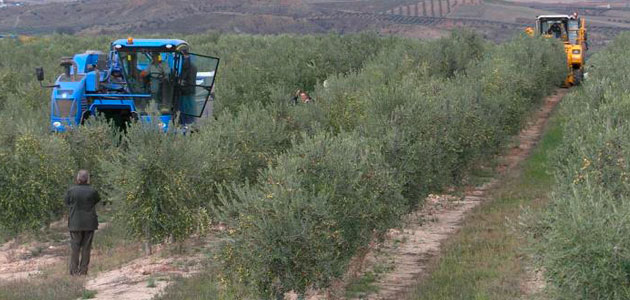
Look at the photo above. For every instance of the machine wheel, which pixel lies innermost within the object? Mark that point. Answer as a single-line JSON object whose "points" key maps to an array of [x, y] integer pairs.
{"points": [[578, 76], [86, 115]]}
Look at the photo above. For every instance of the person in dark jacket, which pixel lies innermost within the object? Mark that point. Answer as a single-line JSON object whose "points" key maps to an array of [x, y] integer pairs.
{"points": [[81, 200], [188, 89]]}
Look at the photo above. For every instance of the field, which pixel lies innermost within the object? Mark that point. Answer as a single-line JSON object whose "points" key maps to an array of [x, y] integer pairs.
{"points": [[315, 183], [423, 169]]}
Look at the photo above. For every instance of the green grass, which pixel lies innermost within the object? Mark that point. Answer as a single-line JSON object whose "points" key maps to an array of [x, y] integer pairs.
{"points": [[49, 287], [88, 294], [205, 285], [151, 282], [362, 286], [485, 259]]}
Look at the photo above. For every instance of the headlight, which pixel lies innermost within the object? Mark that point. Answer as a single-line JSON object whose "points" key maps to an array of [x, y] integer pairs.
{"points": [[56, 124], [576, 51], [162, 125]]}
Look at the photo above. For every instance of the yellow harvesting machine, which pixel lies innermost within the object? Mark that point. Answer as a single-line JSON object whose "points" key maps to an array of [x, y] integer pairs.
{"points": [[572, 31]]}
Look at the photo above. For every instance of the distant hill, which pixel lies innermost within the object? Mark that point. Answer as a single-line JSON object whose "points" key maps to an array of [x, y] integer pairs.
{"points": [[97, 16], [496, 19]]}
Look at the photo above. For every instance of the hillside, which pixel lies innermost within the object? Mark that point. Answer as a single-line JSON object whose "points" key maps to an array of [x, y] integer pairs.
{"points": [[496, 20], [405, 168]]}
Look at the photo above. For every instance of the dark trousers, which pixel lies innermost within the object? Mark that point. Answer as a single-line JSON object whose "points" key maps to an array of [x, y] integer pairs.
{"points": [[80, 243]]}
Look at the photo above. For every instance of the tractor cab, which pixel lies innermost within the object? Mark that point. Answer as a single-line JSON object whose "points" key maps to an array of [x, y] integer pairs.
{"points": [[563, 27], [136, 78], [571, 30]]}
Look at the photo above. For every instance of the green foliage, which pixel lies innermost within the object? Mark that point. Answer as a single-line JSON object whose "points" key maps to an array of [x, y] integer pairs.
{"points": [[305, 218], [236, 147], [584, 234], [88, 294], [436, 122], [423, 128], [153, 181], [91, 144], [34, 173], [253, 68], [302, 188]]}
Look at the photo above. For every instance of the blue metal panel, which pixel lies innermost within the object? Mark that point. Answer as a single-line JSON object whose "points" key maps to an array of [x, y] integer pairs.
{"points": [[120, 95], [68, 91], [147, 43], [81, 60], [90, 82]]}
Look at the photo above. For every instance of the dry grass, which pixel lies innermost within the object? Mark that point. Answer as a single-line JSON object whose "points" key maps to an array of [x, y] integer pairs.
{"points": [[47, 286]]}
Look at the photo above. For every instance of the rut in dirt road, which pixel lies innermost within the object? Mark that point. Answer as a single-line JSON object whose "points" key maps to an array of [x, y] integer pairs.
{"points": [[412, 250]]}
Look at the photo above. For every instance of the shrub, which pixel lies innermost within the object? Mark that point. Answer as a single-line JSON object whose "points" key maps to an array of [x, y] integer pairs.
{"points": [[583, 234], [290, 232], [233, 148], [152, 182], [92, 143], [303, 220], [35, 172]]}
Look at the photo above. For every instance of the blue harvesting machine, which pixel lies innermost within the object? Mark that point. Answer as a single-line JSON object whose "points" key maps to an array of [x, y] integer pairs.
{"points": [[136, 78]]}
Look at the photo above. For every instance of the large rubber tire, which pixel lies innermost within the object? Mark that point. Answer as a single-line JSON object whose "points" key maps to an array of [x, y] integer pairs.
{"points": [[578, 76]]}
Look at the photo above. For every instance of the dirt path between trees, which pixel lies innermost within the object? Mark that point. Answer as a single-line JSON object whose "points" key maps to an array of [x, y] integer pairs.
{"points": [[142, 278], [21, 261], [408, 254], [138, 279], [147, 276]]}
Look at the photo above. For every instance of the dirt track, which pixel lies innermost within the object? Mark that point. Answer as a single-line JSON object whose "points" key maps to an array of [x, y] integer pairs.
{"points": [[20, 260], [412, 250], [143, 278]]}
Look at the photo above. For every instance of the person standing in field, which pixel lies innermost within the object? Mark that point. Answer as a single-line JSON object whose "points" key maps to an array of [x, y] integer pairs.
{"points": [[81, 200]]}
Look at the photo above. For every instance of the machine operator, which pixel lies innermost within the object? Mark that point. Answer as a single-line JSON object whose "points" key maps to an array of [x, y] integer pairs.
{"points": [[155, 80], [555, 30]]}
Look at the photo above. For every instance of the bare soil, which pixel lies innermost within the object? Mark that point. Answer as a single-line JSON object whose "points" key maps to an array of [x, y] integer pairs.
{"points": [[143, 278], [20, 259]]}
